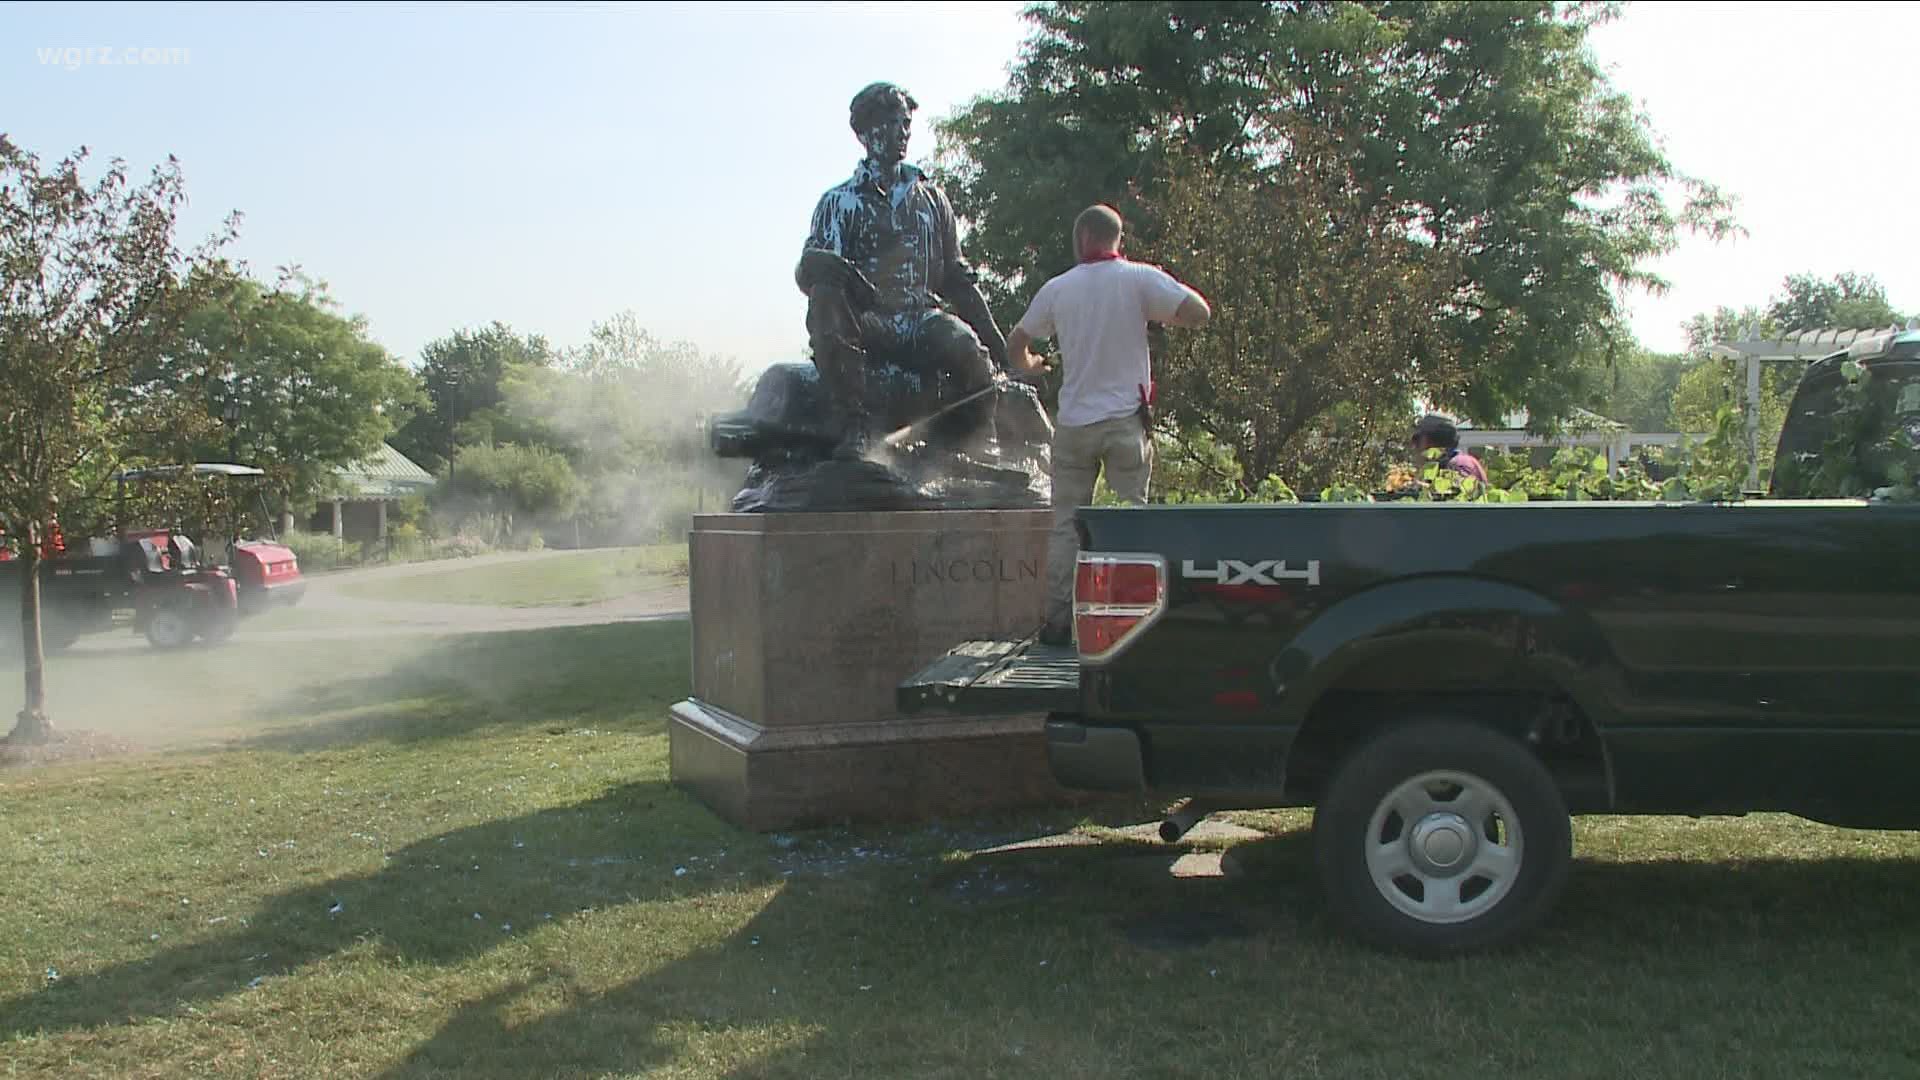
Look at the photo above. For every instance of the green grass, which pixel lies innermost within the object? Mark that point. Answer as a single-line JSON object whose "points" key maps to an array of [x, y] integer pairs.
{"points": [[186, 902], [585, 577]]}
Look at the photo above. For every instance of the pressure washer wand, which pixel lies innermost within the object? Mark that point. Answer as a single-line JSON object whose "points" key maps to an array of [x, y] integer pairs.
{"points": [[901, 436]]}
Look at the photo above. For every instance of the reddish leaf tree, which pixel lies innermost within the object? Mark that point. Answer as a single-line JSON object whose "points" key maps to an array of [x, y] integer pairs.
{"points": [[92, 291]]}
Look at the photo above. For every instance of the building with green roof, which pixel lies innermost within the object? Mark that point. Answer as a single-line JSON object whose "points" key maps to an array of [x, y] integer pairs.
{"points": [[363, 491]]}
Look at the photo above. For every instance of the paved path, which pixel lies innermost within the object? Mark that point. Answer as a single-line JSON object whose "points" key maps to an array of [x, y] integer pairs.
{"points": [[329, 613]]}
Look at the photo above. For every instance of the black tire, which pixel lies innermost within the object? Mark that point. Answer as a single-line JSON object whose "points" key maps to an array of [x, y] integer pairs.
{"points": [[171, 628], [1527, 858]]}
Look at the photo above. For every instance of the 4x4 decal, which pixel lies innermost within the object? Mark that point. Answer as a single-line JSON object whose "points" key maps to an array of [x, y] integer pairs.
{"points": [[1264, 572]]}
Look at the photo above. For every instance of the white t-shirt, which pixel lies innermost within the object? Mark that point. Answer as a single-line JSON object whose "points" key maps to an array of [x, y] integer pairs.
{"points": [[1100, 311]]}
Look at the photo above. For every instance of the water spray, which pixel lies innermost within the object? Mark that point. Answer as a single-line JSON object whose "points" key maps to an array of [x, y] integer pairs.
{"points": [[900, 437]]}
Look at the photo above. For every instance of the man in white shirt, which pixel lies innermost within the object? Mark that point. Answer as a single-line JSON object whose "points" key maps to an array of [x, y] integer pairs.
{"points": [[1099, 310]]}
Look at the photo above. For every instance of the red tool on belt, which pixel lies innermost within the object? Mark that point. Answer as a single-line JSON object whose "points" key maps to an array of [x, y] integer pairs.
{"points": [[1146, 404]]}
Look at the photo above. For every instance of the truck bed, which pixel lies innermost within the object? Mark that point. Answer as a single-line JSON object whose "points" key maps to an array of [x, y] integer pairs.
{"points": [[995, 676]]}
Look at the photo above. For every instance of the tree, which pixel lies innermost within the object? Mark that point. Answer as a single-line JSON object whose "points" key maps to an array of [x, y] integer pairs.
{"points": [[509, 482], [1728, 324], [627, 408], [1638, 390], [625, 395], [1847, 301], [1322, 299], [465, 376], [1487, 128], [1708, 385], [297, 388], [92, 291]]}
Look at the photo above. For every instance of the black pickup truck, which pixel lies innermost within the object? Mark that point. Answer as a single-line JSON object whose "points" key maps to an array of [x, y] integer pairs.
{"points": [[1447, 682]]}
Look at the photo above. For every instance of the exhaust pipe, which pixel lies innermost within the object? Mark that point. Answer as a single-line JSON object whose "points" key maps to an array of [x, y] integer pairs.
{"points": [[1182, 820]]}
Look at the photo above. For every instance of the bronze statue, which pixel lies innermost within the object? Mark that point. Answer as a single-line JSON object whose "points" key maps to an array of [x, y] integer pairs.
{"points": [[881, 268], [902, 342]]}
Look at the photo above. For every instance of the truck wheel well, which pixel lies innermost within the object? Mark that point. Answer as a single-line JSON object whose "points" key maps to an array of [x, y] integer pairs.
{"points": [[1547, 723]]}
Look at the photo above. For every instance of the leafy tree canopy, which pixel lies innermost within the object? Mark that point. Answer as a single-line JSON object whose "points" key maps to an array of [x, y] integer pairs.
{"points": [[465, 375], [288, 384], [1481, 138]]}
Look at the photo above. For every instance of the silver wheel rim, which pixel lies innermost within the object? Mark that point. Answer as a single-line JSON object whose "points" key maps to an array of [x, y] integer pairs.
{"points": [[168, 628], [1444, 847]]}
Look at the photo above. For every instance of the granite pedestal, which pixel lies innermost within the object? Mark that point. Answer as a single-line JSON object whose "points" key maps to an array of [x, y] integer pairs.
{"points": [[803, 627]]}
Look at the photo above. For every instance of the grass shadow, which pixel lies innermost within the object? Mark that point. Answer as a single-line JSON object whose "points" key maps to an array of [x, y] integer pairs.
{"points": [[439, 901], [950, 954], [1061, 975]]}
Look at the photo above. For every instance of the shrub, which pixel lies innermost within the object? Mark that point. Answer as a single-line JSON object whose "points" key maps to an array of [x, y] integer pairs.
{"points": [[322, 551], [509, 480], [459, 546]]}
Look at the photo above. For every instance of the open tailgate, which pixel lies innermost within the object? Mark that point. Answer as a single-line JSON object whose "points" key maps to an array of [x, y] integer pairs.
{"points": [[995, 677]]}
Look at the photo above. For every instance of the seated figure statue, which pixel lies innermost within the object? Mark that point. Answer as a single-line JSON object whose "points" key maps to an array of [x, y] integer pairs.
{"points": [[882, 256], [902, 342]]}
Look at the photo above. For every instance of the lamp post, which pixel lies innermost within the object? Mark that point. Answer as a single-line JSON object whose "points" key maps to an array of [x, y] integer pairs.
{"points": [[231, 414]]}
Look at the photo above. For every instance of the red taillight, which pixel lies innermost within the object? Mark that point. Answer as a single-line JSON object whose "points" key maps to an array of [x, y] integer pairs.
{"points": [[1105, 580], [1115, 598], [1100, 635]]}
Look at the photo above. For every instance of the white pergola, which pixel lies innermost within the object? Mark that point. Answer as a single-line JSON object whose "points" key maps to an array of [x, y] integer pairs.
{"points": [[1801, 348], [1584, 429], [1593, 431]]}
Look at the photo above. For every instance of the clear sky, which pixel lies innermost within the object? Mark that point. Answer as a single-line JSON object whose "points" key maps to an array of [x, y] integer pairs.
{"points": [[547, 165]]}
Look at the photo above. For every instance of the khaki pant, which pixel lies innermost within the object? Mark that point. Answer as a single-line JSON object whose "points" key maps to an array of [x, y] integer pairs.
{"points": [[1122, 446]]}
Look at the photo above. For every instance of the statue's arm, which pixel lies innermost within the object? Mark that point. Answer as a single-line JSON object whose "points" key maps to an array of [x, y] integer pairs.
{"points": [[823, 236], [971, 305], [823, 257], [962, 290]]}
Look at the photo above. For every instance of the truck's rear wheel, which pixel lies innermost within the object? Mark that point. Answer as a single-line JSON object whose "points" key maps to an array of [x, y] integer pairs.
{"points": [[1442, 836]]}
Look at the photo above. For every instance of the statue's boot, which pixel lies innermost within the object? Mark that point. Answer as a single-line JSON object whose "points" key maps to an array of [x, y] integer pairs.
{"points": [[990, 423], [856, 438], [833, 332], [980, 421]]}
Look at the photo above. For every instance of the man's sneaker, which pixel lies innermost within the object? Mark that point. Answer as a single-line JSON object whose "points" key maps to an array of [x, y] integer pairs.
{"points": [[1056, 634]]}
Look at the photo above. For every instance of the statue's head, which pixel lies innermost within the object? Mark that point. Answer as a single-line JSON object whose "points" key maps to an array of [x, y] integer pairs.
{"points": [[882, 115]]}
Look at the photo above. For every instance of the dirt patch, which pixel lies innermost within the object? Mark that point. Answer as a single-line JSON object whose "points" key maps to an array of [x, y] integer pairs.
{"points": [[64, 747]]}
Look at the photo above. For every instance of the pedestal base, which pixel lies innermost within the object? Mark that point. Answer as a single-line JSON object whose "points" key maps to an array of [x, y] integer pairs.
{"points": [[804, 625], [763, 779]]}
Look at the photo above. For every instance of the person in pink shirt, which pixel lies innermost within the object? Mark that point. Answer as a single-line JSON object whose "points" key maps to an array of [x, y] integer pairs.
{"points": [[1435, 432]]}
